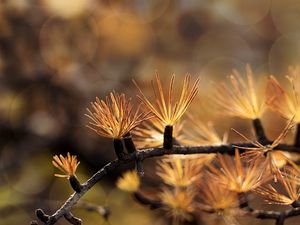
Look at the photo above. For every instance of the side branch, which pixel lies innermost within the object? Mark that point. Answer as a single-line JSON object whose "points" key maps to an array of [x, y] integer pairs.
{"points": [[73, 199], [141, 155]]}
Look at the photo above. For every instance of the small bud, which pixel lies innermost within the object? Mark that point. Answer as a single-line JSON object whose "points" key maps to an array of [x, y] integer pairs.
{"points": [[129, 143], [119, 150], [168, 137]]}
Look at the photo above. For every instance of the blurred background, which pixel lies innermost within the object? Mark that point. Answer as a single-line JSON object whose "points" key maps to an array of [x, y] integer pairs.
{"points": [[56, 56]]}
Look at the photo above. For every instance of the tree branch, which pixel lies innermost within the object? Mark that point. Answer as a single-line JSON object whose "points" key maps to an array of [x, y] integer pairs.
{"points": [[144, 154]]}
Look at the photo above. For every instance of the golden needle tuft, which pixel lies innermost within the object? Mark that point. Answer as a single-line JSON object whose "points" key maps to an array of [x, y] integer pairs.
{"points": [[165, 108], [286, 103], [235, 176], [130, 181], [290, 185], [179, 204], [260, 151], [67, 165], [199, 133], [115, 117], [215, 197], [240, 98], [180, 172]]}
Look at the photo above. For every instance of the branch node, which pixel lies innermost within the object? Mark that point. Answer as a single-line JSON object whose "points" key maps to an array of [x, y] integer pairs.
{"points": [[297, 137], [259, 130], [243, 201], [119, 149], [75, 184], [139, 168], [168, 137], [129, 144]]}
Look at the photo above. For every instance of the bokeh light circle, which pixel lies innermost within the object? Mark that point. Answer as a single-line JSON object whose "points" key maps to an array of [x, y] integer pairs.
{"points": [[66, 8], [29, 108], [25, 175], [146, 11], [121, 38], [214, 44], [246, 12], [286, 15], [67, 43], [285, 52], [218, 69], [80, 77]]}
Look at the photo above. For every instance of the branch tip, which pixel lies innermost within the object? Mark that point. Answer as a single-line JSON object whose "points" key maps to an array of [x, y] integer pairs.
{"points": [[42, 216], [72, 219]]}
